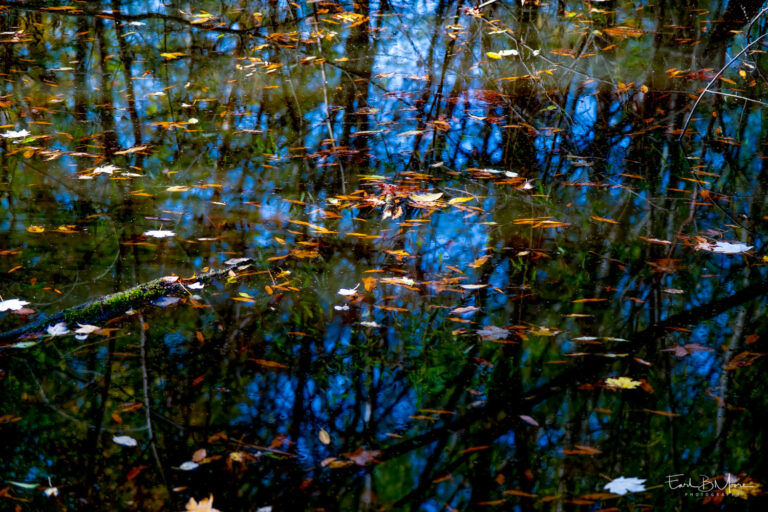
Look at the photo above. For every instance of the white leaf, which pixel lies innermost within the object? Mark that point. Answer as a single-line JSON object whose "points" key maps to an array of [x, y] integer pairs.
{"points": [[723, 247], [86, 329], [236, 261], [51, 491], [623, 485], [196, 286], [341, 308], [491, 332], [124, 440], [12, 304], [507, 53], [159, 233], [473, 286], [23, 344], [59, 329], [189, 466], [15, 134], [348, 292], [105, 169], [370, 324]]}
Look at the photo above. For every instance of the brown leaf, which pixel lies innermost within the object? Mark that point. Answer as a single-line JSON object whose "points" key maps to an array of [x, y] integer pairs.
{"points": [[269, 364], [134, 472], [362, 457], [199, 455], [743, 359]]}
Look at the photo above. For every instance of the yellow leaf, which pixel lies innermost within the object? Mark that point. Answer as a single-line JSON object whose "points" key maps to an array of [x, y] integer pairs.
{"points": [[399, 254], [426, 198], [35, 229], [177, 188], [457, 200], [493, 55], [622, 383], [479, 261], [172, 55], [602, 219], [369, 283]]}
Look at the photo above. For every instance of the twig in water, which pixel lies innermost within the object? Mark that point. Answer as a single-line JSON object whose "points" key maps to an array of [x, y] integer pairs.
{"points": [[719, 73]]}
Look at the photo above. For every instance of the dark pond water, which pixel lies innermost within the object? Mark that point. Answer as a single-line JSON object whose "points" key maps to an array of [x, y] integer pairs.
{"points": [[508, 258]]}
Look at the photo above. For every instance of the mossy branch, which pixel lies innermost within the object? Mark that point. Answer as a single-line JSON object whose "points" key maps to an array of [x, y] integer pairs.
{"points": [[110, 306]]}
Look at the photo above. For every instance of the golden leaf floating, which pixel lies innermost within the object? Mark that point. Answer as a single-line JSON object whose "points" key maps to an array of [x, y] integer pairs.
{"points": [[622, 383]]}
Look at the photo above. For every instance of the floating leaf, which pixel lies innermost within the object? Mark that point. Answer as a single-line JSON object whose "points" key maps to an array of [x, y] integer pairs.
{"points": [[24, 344], [622, 485], [426, 198], [159, 233], [622, 382], [269, 364], [324, 436], [204, 505], [362, 457], [348, 292], [491, 332], [172, 55], [189, 466], [12, 304], [493, 55], [164, 302], [11, 134], [721, 247], [464, 310], [743, 359], [105, 169], [36, 229], [23, 485], [124, 440], [473, 286]]}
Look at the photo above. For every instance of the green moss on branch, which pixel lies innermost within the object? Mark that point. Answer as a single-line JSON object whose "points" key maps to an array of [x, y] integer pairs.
{"points": [[116, 304]]}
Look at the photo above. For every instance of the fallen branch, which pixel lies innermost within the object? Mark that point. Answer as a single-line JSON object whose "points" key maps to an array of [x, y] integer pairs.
{"points": [[118, 303]]}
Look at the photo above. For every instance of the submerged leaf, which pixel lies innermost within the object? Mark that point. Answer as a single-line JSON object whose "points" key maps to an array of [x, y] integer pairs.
{"points": [[59, 329]]}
